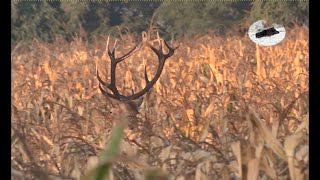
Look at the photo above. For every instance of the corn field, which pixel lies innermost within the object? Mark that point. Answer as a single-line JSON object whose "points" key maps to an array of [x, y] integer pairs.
{"points": [[223, 108]]}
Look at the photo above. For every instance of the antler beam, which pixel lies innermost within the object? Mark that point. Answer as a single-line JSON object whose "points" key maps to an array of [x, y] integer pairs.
{"points": [[114, 61]]}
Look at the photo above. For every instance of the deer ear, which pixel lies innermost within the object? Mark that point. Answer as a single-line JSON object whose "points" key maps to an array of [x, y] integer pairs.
{"points": [[135, 104], [138, 102]]}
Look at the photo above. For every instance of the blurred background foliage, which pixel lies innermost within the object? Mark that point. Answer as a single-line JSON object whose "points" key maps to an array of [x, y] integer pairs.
{"points": [[47, 20]]}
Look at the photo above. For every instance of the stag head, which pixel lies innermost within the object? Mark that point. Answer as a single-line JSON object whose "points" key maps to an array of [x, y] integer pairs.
{"points": [[128, 105]]}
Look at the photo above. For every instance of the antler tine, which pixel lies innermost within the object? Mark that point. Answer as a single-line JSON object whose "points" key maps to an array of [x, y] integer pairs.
{"points": [[109, 86], [171, 50], [118, 60], [161, 58], [146, 75], [112, 86], [157, 51], [129, 53], [111, 53], [104, 92], [100, 80]]}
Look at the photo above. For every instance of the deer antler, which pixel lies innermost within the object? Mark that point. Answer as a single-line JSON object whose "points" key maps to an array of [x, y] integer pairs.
{"points": [[114, 61]]}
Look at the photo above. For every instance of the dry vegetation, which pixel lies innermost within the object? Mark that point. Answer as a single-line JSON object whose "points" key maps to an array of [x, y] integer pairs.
{"points": [[223, 108]]}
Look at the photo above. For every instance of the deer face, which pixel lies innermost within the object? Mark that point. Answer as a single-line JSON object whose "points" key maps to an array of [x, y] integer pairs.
{"points": [[126, 108]]}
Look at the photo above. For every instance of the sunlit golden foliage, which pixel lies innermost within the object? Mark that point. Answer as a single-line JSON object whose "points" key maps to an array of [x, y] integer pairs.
{"points": [[223, 107]]}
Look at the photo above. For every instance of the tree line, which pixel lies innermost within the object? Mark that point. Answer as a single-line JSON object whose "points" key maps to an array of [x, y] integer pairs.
{"points": [[45, 20]]}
